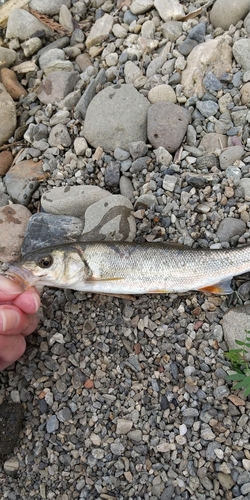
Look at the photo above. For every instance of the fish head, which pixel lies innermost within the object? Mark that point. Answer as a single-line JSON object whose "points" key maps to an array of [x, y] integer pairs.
{"points": [[52, 266]]}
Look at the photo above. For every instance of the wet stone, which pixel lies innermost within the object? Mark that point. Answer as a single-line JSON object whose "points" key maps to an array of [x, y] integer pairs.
{"points": [[11, 423]]}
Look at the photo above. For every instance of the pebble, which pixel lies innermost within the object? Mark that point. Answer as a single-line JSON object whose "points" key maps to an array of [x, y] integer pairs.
{"points": [[221, 16], [7, 57], [162, 130], [6, 160], [241, 53], [235, 324], [22, 25], [112, 101], [169, 9], [11, 83], [100, 31], [8, 115], [230, 155], [230, 227], [52, 424], [47, 7], [11, 466], [56, 86], [123, 426], [59, 136], [162, 93], [14, 220], [22, 179], [214, 55], [78, 199]]}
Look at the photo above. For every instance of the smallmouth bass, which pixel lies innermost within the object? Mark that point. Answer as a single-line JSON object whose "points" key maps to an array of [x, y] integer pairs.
{"points": [[130, 268]]}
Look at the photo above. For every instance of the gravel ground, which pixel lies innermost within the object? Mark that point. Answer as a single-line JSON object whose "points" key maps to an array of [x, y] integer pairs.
{"points": [[127, 398]]}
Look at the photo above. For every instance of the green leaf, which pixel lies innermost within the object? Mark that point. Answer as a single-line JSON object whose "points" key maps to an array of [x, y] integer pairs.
{"points": [[247, 391], [240, 342], [236, 376]]}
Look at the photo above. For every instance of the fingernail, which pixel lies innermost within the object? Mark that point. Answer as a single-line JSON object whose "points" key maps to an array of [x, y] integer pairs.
{"points": [[37, 301], [9, 320]]}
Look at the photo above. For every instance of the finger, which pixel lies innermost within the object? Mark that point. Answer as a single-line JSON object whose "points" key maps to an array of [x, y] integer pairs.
{"points": [[12, 347], [28, 301], [12, 319], [9, 289], [33, 322]]}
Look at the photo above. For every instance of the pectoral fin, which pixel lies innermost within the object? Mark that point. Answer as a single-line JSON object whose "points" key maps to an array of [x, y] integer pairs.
{"points": [[223, 288]]}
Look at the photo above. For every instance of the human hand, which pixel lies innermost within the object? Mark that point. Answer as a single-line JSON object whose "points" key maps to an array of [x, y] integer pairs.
{"points": [[17, 319]]}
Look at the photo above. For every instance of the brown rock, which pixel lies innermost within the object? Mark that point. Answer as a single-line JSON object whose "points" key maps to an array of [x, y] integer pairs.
{"points": [[9, 79], [214, 55], [83, 61], [56, 86], [166, 125], [8, 115], [213, 141], [245, 93], [13, 223], [6, 160], [22, 180]]}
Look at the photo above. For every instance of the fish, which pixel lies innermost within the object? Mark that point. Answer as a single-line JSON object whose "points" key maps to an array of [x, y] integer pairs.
{"points": [[119, 268]]}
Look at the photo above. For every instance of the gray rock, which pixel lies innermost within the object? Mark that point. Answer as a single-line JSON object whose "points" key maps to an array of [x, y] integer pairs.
{"points": [[22, 180], [36, 132], [167, 125], [222, 16], [11, 423], [13, 220], [112, 174], [247, 22], [172, 30], [69, 102], [72, 200], [211, 82], [135, 435], [50, 56], [8, 115], [169, 10], [80, 146], [168, 493], [138, 149], [241, 52], [126, 188], [48, 7], [59, 136], [7, 57], [198, 32], [60, 43], [234, 173], [121, 154], [235, 323], [123, 426], [52, 424], [230, 227], [230, 155], [100, 31], [163, 156], [117, 448], [187, 46], [126, 123], [207, 108], [145, 201], [245, 185], [56, 86], [31, 46], [22, 25], [64, 415], [48, 229], [109, 219], [11, 466], [169, 182], [141, 6], [90, 92]]}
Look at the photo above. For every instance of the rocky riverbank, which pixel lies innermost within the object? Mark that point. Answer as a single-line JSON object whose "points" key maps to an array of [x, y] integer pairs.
{"points": [[127, 121]]}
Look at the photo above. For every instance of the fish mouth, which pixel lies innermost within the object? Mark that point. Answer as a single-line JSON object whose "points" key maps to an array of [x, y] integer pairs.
{"points": [[22, 276]]}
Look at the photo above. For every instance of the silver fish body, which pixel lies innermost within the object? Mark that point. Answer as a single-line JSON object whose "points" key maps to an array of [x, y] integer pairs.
{"points": [[130, 268]]}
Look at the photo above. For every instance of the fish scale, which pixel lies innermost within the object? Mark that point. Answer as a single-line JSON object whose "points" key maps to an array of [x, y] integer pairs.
{"points": [[130, 268]]}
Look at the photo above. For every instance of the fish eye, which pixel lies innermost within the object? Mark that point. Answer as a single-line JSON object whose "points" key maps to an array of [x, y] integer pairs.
{"points": [[45, 262]]}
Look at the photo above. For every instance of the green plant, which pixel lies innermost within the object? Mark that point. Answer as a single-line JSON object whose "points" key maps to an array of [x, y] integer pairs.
{"points": [[240, 365]]}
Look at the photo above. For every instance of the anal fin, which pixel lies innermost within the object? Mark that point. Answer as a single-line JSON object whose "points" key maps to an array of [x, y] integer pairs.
{"points": [[223, 288]]}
